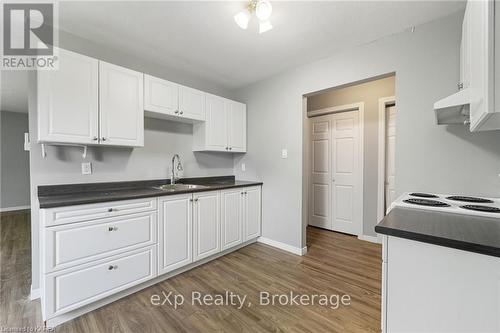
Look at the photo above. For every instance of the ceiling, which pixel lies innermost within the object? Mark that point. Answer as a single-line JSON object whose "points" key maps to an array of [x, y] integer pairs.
{"points": [[201, 38]]}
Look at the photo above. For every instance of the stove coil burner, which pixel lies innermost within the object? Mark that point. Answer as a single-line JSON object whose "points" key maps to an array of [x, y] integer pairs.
{"points": [[480, 208], [426, 202], [423, 195], [469, 199]]}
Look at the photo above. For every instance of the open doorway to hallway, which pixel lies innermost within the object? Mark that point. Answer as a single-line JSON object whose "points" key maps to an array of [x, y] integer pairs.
{"points": [[14, 154], [348, 146]]}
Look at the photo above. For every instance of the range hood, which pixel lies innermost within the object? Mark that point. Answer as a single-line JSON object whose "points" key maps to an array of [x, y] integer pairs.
{"points": [[453, 109]]}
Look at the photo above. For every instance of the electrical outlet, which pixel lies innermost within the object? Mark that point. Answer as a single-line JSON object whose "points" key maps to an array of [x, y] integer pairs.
{"points": [[284, 153], [86, 168], [243, 167]]}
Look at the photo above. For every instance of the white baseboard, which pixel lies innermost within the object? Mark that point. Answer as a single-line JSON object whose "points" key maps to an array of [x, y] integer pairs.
{"points": [[372, 239], [282, 246], [11, 209], [35, 293]]}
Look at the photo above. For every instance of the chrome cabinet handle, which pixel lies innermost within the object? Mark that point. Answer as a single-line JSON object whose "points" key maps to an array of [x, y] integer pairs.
{"points": [[230, 148], [112, 228], [111, 267], [196, 199], [182, 112], [110, 210], [95, 138], [176, 111], [460, 85], [103, 139]]}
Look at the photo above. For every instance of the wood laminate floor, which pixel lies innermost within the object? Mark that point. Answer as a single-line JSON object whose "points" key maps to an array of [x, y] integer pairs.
{"points": [[335, 264]]}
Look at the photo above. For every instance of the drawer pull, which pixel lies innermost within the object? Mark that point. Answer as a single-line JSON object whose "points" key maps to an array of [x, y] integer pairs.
{"points": [[112, 267], [113, 228]]}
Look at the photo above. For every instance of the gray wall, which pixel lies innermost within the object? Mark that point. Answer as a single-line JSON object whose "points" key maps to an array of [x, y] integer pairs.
{"points": [[428, 157], [162, 139], [369, 93], [15, 184]]}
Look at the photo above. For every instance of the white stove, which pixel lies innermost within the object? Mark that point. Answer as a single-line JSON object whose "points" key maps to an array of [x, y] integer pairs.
{"points": [[459, 204]]}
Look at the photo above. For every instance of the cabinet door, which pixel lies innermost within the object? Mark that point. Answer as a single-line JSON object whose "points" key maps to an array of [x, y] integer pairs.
{"points": [[231, 218], [237, 126], [121, 106], [252, 214], [175, 232], [160, 96], [191, 103], [216, 124], [68, 100], [206, 224]]}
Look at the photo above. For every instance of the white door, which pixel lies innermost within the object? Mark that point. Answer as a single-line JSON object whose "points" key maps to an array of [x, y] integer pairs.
{"points": [[390, 149], [191, 103], [237, 126], [121, 106], [68, 100], [347, 188], [216, 124], [231, 218], [160, 95], [320, 182], [206, 224], [252, 212], [175, 232]]}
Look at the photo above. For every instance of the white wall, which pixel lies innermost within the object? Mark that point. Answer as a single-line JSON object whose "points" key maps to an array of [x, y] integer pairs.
{"points": [[162, 139], [428, 157], [14, 161]]}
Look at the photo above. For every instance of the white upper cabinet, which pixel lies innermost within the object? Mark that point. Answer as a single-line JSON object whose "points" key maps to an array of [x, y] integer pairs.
{"points": [[121, 106], [237, 126], [224, 128], [68, 100], [88, 101], [191, 103], [160, 96], [474, 103]]}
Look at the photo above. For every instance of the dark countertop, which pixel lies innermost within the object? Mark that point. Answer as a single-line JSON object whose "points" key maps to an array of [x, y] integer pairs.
{"points": [[78, 194], [465, 232]]}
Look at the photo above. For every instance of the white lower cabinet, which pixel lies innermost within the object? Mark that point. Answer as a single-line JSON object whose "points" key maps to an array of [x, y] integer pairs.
{"points": [[252, 212], [93, 251], [75, 287], [431, 288], [175, 232], [231, 218], [206, 226]]}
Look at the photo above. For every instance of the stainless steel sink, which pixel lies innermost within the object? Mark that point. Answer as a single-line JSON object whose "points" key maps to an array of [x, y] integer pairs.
{"points": [[179, 187]]}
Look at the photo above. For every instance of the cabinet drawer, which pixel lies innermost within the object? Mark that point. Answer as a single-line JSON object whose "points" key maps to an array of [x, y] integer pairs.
{"points": [[70, 214], [70, 289], [71, 244]]}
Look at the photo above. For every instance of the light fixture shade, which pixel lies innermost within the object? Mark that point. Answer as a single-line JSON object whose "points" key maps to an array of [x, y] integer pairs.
{"points": [[265, 26], [263, 10], [242, 19]]}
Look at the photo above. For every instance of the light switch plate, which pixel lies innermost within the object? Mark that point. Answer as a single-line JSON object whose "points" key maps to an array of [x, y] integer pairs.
{"points": [[86, 168], [284, 153]]}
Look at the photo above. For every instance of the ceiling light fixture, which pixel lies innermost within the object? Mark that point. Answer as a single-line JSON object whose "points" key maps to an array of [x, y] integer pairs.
{"points": [[262, 10]]}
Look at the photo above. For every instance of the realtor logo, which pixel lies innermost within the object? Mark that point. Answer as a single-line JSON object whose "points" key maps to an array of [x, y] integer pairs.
{"points": [[29, 36]]}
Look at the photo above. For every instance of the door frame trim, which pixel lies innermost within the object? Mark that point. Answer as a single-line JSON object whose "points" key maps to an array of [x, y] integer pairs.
{"points": [[382, 105], [360, 107]]}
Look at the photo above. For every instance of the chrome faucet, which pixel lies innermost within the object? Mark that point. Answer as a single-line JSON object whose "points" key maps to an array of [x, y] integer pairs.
{"points": [[178, 167]]}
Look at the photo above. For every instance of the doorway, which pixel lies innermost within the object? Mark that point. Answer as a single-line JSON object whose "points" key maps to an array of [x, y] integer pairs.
{"points": [[336, 178], [386, 155]]}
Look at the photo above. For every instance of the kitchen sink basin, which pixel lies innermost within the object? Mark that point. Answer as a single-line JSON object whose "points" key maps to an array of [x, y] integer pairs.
{"points": [[179, 187]]}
